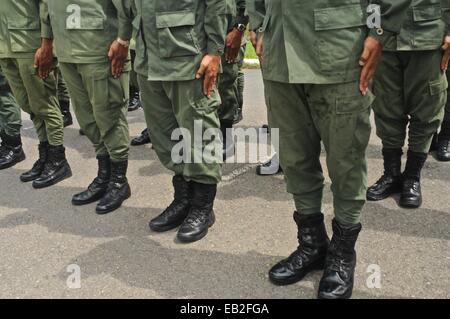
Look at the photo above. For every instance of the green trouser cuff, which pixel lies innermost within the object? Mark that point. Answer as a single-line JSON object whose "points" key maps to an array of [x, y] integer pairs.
{"points": [[308, 204], [348, 211]]}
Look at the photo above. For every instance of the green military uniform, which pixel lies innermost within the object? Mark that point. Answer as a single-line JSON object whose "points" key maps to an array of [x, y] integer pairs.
{"points": [[10, 117], [98, 99], [412, 91], [172, 38], [20, 37], [409, 80], [231, 84], [83, 31], [311, 72]]}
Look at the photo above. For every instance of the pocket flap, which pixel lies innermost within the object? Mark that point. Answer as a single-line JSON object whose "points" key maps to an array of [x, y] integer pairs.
{"points": [[352, 104], [425, 13], [175, 19], [437, 87], [89, 23], [24, 24], [339, 17]]}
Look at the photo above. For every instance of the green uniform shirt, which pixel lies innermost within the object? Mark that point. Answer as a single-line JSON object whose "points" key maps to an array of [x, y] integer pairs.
{"points": [[174, 35], [84, 29], [20, 28], [320, 41], [423, 29]]}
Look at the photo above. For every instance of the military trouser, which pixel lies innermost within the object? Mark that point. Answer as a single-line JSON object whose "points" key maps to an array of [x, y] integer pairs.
{"points": [[10, 117], [169, 106], [231, 88], [412, 90], [447, 105], [336, 114], [133, 76], [63, 92], [36, 97], [100, 103]]}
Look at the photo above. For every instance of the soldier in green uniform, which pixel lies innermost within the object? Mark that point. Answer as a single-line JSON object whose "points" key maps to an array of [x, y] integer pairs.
{"points": [[318, 58], [412, 90], [135, 101], [179, 45], [91, 42], [11, 151], [28, 65], [231, 80]]}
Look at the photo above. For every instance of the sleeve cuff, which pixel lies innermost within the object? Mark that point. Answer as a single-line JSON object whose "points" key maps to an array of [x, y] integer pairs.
{"points": [[46, 32], [215, 49], [125, 30], [381, 35]]}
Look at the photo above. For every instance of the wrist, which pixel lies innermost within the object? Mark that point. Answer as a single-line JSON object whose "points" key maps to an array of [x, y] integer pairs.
{"points": [[124, 43]]}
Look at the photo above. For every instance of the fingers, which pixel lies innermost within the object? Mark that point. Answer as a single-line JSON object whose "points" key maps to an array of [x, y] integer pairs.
{"points": [[209, 83], [231, 54], [445, 57], [116, 67], [365, 56], [201, 71]]}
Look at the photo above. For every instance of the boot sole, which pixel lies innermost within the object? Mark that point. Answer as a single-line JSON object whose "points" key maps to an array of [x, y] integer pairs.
{"points": [[384, 196], [13, 163], [192, 239], [83, 203], [27, 180], [316, 266], [347, 295], [409, 204], [110, 210], [67, 175], [163, 229]]}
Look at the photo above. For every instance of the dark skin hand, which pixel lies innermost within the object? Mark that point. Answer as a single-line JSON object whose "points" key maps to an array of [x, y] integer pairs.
{"points": [[446, 55], [117, 54], [43, 59], [369, 60], [209, 69], [233, 43]]}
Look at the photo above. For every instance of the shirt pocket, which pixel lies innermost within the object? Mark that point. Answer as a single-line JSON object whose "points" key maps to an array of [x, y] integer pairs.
{"points": [[340, 37], [25, 34], [429, 29], [176, 34], [85, 30]]}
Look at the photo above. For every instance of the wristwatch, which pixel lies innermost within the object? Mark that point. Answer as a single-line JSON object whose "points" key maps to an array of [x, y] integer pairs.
{"points": [[241, 27], [125, 43]]}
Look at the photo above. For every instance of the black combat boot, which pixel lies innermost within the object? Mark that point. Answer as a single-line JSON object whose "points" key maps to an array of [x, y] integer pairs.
{"points": [[226, 128], [411, 196], [176, 213], [11, 151], [38, 166], [97, 189], [201, 215], [134, 102], [310, 254], [142, 139], [337, 279], [391, 181], [65, 110], [118, 189], [443, 145], [56, 168]]}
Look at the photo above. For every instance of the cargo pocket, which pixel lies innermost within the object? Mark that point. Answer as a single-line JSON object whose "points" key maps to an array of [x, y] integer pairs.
{"points": [[427, 20], [340, 36], [352, 127], [200, 103], [176, 34], [25, 34]]}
